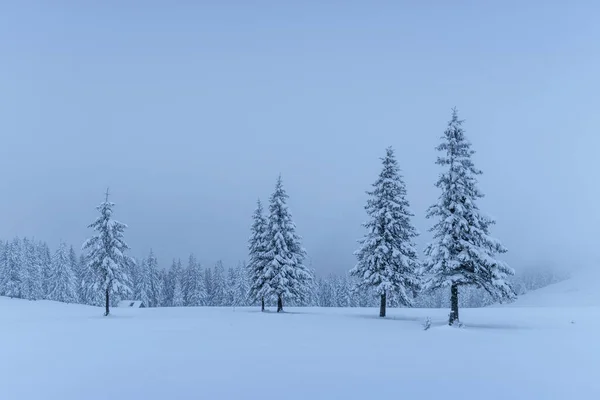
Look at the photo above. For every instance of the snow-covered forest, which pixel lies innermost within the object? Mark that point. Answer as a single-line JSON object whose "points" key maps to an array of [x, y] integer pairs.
{"points": [[30, 269]]}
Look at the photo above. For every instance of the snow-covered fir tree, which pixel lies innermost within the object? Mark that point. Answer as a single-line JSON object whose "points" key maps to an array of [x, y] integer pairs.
{"points": [[219, 285], [166, 294], [11, 280], [196, 287], [286, 275], [106, 256], [62, 279], [387, 257], [462, 252], [177, 270], [208, 284], [80, 276], [132, 270], [257, 246], [230, 287], [45, 259], [33, 272], [241, 286], [77, 269], [156, 284], [143, 283]]}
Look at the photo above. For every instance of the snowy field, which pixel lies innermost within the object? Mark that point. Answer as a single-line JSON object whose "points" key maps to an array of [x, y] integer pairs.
{"points": [[525, 351]]}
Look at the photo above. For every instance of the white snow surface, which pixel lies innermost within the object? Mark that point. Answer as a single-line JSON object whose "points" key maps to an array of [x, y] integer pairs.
{"points": [[59, 351]]}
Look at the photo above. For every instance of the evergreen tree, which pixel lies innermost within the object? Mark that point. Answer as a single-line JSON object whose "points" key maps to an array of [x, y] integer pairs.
{"points": [[156, 283], [143, 283], [12, 280], [132, 269], [285, 272], [196, 288], [462, 252], [33, 276], [219, 285], [62, 279], [257, 246], [80, 275], [241, 288], [165, 296], [208, 284], [106, 255], [77, 270], [230, 287], [387, 257], [177, 284], [45, 259]]}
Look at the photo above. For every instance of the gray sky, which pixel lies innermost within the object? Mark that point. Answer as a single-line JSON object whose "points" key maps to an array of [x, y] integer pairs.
{"points": [[189, 113]]}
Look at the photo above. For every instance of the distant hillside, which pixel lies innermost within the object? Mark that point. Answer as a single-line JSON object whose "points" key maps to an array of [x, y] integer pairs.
{"points": [[581, 290]]}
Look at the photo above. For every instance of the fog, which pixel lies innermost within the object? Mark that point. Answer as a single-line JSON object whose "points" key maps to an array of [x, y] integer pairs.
{"points": [[190, 112]]}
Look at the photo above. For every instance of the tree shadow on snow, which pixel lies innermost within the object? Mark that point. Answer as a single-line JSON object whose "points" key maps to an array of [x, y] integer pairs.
{"points": [[469, 325], [267, 311], [404, 318]]}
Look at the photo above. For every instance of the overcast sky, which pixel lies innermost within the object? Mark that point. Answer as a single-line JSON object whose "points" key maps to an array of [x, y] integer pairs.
{"points": [[189, 113]]}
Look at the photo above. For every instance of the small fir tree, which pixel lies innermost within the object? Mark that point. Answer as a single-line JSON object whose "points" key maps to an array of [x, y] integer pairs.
{"points": [[106, 256]]}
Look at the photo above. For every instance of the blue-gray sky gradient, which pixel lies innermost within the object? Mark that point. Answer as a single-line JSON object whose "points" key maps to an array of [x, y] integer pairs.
{"points": [[190, 110]]}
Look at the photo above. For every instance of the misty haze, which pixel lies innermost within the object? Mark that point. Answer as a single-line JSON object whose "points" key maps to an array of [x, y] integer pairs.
{"points": [[353, 200]]}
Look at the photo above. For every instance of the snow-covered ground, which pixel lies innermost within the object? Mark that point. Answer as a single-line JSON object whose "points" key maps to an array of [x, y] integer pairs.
{"points": [[58, 351]]}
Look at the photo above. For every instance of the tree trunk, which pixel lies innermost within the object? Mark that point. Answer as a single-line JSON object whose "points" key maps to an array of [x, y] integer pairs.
{"points": [[453, 304], [382, 306], [279, 303], [262, 304], [107, 303]]}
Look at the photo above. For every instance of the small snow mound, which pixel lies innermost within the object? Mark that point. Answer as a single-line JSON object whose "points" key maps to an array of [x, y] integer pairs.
{"points": [[581, 290]]}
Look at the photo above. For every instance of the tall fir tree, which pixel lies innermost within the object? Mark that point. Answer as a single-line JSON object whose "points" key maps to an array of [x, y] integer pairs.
{"points": [[241, 286], [177, 284], [32, 266], [107, 255], [257, 246], [81, 277], [156, 283], [387, 257], [143, 283], [12, 280], [76, 268], [230, 287], [285, 272], [165, 292], [196, 288], [133, 272], [219, 285], [45, 258], [62, 279], [208, 284], [462, 252]]}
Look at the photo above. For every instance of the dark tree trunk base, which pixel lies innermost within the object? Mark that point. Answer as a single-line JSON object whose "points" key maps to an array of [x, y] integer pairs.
{"points": [[382, 306], [453, 305], [279, 304], [262, 304], [107, 304]]}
